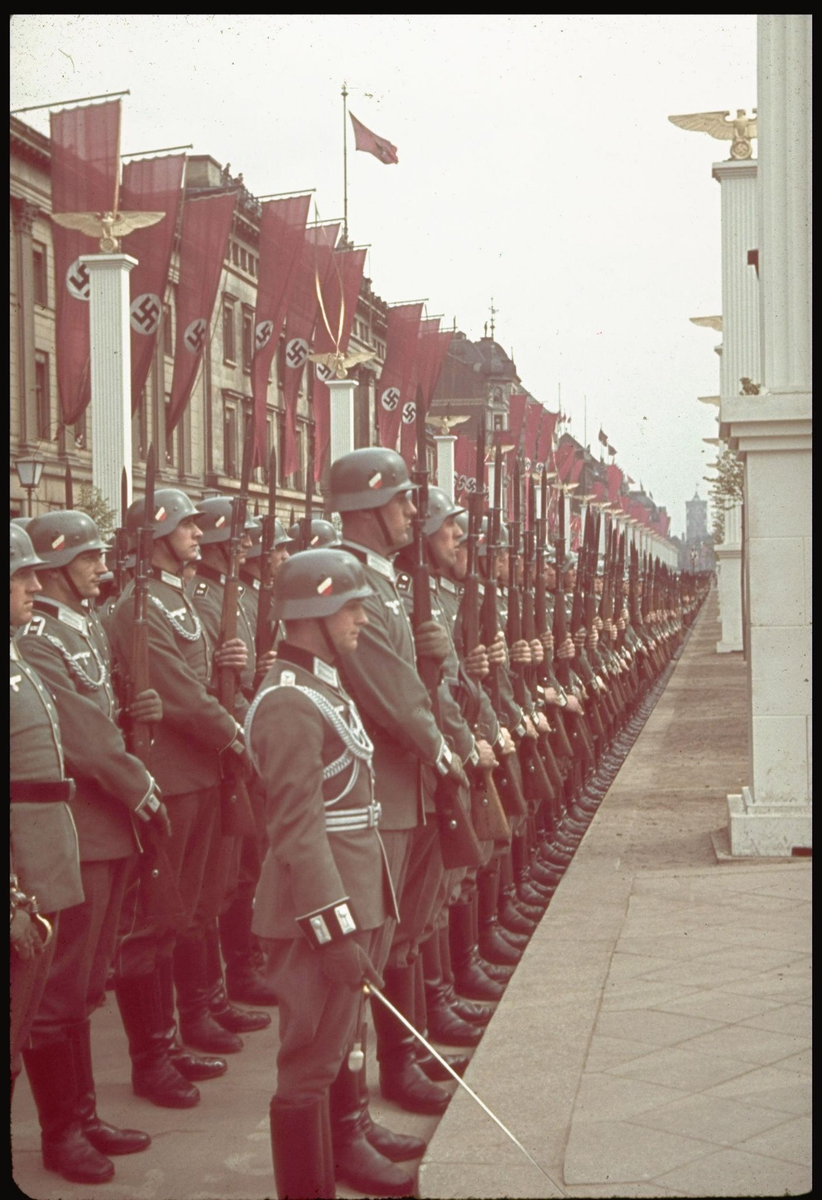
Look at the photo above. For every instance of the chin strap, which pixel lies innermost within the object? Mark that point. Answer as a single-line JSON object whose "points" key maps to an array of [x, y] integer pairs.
{"points": [[332, 649]]}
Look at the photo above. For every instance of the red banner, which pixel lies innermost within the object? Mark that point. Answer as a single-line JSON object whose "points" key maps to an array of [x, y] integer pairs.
{"points": [[568, 462], [85, 172], [465, 468], [150, 185], [516, 419], [206, 228], [545, 441], [426, 373], [425, 349], [533, 417], [340, 293], [303, 306], [282, 235], [394, 383], [613, 477]]}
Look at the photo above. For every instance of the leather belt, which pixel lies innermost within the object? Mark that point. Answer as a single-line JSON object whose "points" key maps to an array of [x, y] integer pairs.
{"points": [[30, 791]]}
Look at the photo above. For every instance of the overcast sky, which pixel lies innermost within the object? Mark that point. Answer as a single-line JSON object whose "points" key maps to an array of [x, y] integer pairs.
{"points": [[536, 166]]}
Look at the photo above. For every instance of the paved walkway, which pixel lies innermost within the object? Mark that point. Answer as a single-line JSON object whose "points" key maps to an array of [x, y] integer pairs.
{"points": [[654, 1040]]}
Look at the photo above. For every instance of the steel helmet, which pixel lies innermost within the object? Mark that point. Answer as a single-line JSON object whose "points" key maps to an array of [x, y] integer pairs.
{"points": [[323, 534], [462, 521], [58, 537], [254, 529], [171, 506], [440, 508], [22, 522], [367, 478], [215, 519], [22, 552], [319, 584]]}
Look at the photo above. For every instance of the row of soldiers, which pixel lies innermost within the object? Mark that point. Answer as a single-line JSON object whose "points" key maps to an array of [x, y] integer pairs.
{"points": [[383, 799]]}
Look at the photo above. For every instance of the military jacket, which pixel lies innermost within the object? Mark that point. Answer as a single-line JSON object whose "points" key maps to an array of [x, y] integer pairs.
{"points": [[206, 591], [42, 834], [195, 726], [320, 810], [71, 655], [382, 678]]}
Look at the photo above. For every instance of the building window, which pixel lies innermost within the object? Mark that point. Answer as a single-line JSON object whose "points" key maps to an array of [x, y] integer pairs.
{"points": [[235, 254], [248, 337], [42, 391], [252, 264], [229, 336], [244, 259], [40, 268], [231, 439]]}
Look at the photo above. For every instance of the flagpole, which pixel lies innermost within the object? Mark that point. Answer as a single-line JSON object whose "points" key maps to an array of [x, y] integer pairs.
{"points": [[345, 161]]}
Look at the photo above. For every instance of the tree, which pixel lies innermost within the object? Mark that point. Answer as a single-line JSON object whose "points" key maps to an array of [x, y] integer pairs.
{"points": [[93, 502], [726, 489]]}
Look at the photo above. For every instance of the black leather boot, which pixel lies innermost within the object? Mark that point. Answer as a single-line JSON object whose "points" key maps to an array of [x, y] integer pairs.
{"points": [[236, 1020], [469, 1010], [108, 1139], [301, 1150], [518, 940], [443, 1023], [198, 1027], [401, 1077], [436, 1071], [54, 1086], [469, 977], [357, 1162], [244, 981], [493, 947], [150, 1041], [195, 1067]]}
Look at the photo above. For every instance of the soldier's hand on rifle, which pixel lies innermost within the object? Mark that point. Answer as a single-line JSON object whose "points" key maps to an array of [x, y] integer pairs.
{"points": [[346, 963], [233, 653], [579, 636], [547, 640], [530, 730], [432, 641], [567, 649], [476, 663], [541, 722], [508, 744], [574, 705], [496, 651], [456, 772], [152, 810], [487, 758], [537, 652], [521, 652], [592, 640], [146, 708], [551, 695], [266, 661]]}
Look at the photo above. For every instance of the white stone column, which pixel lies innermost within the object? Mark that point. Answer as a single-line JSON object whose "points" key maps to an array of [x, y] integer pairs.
{"points": [[341, 437], [773, 433], [110, 353], [445, 462]]}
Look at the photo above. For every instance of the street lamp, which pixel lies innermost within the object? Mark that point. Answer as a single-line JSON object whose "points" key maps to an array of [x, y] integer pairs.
{"points": [[29, 471]]}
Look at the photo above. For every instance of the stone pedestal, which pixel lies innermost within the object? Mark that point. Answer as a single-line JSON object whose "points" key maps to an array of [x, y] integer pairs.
{"points": [[445, 462], [772, 432], [342, 416], [110, 351]]}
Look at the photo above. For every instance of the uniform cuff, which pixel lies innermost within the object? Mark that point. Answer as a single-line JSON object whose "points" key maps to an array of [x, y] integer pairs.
{"points": [[443, 761], [329, 924]]}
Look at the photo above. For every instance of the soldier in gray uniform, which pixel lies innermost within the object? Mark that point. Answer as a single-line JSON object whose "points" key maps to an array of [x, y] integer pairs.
{"points": [[186, 761], [325, 892], [67, 647], [201, 987], [371, 490], [44, 857]]}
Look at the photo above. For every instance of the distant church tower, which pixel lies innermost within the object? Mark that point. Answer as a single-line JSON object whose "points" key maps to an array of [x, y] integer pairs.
{"points": [[696, 519]]}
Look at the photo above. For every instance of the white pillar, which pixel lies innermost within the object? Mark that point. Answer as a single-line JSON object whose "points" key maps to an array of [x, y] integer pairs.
{"points": [[772, 816], [110, 353], [445, 462], [341, 436]]}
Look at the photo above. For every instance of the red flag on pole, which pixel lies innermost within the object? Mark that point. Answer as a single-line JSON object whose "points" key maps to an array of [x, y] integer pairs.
{"points": [[430, 357], [465, 467], [150, 185], [372, 143], [303, 306], [516, 420], [613, 478], [206, 228], [424, 348], [402, 332], [545, 441], [282, 236], [533, 416], [340, 293], [85, 175]]}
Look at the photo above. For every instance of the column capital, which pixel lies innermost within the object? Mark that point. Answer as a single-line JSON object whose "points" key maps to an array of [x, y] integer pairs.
{"points": [[24, 213], [108, 262], [725, 171]]}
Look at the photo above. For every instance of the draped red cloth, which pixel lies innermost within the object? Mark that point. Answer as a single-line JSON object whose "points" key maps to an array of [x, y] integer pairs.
{"points": [[393, 388], [340, 293]]}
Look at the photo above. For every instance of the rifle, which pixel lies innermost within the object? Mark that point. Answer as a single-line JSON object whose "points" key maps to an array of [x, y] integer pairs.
{"points": [[582, 736], [487, 811], [546, 676], [69, 488], [236, 813], [157, 878], [508, 774], [458, 839], [264, 633], [121, 540], [604, 700], [582, 665], [305, 524]]}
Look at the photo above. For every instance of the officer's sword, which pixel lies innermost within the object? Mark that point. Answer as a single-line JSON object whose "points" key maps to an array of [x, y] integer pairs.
{"points": [[370, 989]]}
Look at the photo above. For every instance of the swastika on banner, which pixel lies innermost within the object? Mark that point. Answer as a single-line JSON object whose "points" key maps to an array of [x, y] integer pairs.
{"points": [[262, 333], [409, 413], [78, 281], [470, 484], [390, 398], [195, 334], [324, 373], [145, 313], [296, 353]]}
